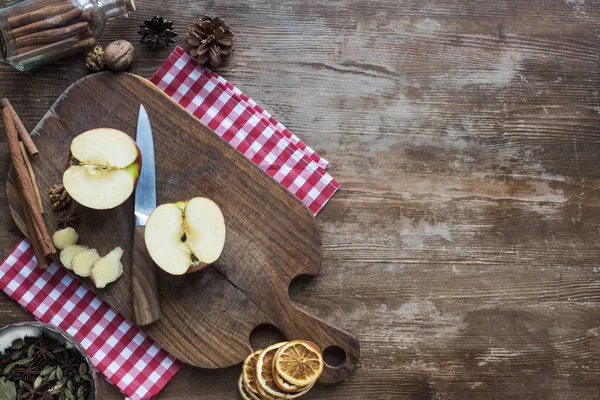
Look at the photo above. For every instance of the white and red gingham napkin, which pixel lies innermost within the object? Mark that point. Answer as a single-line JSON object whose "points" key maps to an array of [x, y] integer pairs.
{"points": [[121, 352], [248, 128]]}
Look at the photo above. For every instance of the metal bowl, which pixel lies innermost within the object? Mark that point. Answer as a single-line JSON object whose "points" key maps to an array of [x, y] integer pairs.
{"points": [[10, 333]]}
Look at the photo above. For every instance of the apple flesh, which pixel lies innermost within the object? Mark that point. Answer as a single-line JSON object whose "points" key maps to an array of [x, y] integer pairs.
{"points": [[185, 236], [103, 168]]}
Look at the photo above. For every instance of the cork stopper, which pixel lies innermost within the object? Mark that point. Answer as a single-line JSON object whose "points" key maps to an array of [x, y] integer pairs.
{"points": [[130, 5]]}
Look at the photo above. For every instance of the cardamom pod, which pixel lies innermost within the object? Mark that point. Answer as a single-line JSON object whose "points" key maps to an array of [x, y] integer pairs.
{"points": [[69, 395], [9, 368], [70, 385], [83, 368], [17, 344], [52, 375], [15, 356], [85, 377], [31, 350], [59, 373], [46, 371], [77, 379], [38, 381], [24, 361], [80, 392]]}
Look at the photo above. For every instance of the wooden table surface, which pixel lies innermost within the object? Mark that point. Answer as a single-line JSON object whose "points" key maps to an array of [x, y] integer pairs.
{"points": [[463, 247]]}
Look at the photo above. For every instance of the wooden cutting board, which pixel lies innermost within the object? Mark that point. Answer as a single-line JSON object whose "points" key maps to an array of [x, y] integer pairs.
{"points": [[271, 236]]}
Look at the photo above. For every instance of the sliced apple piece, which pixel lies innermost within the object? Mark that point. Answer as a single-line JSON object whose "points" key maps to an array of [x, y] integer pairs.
{"points": [[185, 234], [67, 254], [103, 169], [64, 237], [82, 262], [107, 269]]}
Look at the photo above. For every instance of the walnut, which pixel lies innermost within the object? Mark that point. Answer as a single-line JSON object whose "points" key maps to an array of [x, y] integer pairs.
{"points": [[59, 198], [95, 59], [118, 55]]}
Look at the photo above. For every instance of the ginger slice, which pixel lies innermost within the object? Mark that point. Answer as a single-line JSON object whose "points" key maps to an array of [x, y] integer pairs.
{"points": [[107, 269], [65, 237], [67, 254], [82, 262]]}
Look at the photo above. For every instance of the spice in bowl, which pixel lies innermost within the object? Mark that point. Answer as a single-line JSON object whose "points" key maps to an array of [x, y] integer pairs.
{"points": [[44, 367]]}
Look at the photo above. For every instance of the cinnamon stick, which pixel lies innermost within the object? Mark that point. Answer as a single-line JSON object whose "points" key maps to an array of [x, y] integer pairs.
{"points": [[53, 35], [31, 176], [38, 15], [29, 201], [56, 21], [38, 249], [25, 137]]}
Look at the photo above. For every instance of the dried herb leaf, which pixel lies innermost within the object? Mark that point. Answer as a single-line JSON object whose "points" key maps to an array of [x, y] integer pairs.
{"points": [[8, 391]]}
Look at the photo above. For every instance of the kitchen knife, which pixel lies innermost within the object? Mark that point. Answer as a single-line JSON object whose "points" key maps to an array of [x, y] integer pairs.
{"points": [[146, 302]]}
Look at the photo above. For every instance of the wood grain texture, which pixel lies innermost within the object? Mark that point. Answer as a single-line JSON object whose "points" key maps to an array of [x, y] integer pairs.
{"points": [[271, 236], [144, 284], [463, 245]]}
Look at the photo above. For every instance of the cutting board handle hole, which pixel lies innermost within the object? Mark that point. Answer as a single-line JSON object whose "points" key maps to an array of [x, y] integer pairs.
{"points": [[265, 335], [334, 356]]}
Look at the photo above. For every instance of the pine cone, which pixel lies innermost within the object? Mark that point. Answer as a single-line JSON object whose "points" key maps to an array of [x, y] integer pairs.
{"points": [[95, 59], [59, 198], [157, 33], [210, 40]]}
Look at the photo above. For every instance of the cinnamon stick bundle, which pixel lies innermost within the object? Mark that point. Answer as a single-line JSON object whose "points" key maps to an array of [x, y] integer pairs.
{"points": [[38, 15], [53, 35], [25, 137], [38, 231], [48, 23]]}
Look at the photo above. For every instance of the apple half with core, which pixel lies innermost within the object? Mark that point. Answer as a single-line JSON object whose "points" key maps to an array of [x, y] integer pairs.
{"points": [[186, 236], [103, 168]]}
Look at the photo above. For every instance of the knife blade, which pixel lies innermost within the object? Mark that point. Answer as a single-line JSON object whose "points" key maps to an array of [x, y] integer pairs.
{"points": [[145, 193], [146, 303]]}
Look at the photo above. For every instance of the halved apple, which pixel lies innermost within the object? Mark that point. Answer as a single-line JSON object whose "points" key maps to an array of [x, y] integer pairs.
{"points": [[103, 169], [185, 236]]}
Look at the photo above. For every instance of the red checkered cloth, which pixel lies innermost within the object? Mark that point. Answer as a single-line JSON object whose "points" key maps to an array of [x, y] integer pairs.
{"points": [[248, 128], [122, 353]]}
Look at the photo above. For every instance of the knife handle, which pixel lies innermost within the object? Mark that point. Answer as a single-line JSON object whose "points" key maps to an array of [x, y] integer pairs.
{"points": [[146, 302]]}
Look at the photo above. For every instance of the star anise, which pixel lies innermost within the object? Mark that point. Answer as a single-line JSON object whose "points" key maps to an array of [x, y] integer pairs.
{"points": [[68, 219], [44, 349], [29, 372]]}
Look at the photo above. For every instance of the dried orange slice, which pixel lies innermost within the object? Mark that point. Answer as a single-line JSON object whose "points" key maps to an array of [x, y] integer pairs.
{"points": [[285, 385], [299, 362], [249, 371], [244, 392], [265, 383]]}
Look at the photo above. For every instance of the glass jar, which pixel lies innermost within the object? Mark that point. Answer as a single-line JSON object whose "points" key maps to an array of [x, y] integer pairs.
{"points": [[34, 32]]}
